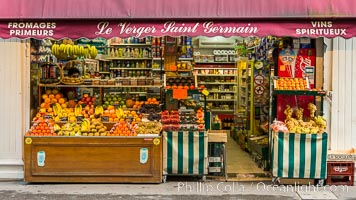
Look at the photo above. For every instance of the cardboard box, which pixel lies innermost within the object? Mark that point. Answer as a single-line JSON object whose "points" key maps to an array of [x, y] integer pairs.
{"points": [[217, 136], [342, 155]]}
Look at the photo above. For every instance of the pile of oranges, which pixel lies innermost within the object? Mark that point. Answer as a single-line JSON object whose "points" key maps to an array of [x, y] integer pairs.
{"points": [[291, 84], [42, 128], [123, 128]]}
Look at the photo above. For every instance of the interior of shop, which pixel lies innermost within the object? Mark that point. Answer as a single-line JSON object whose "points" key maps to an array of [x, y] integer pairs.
{"points": [[229, 80]]}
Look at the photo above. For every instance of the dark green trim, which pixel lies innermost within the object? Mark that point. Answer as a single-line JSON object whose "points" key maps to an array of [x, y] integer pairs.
{"points": [[323, 155], [191, 153], [302, 156], [201, 152], [180, 152], [280, 154], [169, 152], [313, 155], [291, 156]]}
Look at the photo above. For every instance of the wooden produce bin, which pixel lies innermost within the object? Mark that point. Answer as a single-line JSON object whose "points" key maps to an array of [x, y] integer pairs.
{"points": [[93, 159]]}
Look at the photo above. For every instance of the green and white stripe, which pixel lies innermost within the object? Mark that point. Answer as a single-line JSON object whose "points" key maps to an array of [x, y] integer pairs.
{"points": [[185, 153], [299, 155]]}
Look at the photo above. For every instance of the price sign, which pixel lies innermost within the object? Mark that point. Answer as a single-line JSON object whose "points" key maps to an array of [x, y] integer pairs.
{"points": [[80, 118], [180, 93], [205, 92], [105, 118], [63, 119], [173, 68], [47, 117]]}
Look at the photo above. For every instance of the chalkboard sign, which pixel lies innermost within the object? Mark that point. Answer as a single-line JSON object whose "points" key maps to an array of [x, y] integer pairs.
{"points": [[80, 118], [116, 106], [63, 119], [48, 117], [105, 118]]}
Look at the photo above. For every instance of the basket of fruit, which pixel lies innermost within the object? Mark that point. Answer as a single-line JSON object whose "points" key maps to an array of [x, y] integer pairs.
{"points": [[71, 75]]}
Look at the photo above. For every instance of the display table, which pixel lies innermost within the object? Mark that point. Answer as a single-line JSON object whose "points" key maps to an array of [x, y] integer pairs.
{"points": [[93, 159], [299, 155], [185, 153]]}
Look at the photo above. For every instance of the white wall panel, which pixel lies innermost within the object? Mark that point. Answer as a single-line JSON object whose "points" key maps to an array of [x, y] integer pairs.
{"points": [[343, 108], [13, 81]]}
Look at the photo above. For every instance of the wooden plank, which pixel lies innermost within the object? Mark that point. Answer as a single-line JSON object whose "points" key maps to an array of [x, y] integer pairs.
{"points": [[348, 95], [342, 93], [335, 89], [353, 94], [89, 159], [327, 85]]}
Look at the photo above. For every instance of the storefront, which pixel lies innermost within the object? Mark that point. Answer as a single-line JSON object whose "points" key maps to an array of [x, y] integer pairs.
{"points": [[139, 21]]}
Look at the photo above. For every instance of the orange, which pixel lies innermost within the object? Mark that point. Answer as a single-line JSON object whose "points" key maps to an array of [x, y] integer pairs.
{"points": [[58, 96], [51, 96], [44, 96], [47, 100], [61, 100]]}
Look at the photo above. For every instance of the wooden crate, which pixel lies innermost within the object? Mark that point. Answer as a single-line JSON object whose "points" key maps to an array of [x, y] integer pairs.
{"points": [[217, 136], [93, 159], [341, 173]]}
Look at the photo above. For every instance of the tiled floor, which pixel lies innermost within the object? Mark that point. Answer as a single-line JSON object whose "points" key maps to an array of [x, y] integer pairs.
{"points": [[239, 163]]}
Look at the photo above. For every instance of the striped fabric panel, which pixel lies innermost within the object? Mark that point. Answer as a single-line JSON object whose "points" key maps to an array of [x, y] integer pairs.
{"points": [[185, 153], [299, 155]]}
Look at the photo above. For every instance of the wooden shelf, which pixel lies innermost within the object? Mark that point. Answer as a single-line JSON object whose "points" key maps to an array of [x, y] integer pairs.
{"points": [[101, 86], [225, 100], [109, 59], [131, 44], [216, 74], [217, 83], [129, 68]]}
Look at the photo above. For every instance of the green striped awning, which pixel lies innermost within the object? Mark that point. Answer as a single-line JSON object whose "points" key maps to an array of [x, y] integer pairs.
{"points": [[185, 153], [299, 155]]}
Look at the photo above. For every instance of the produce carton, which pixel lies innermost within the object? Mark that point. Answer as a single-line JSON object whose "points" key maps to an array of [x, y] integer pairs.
{"points": [[217, 136], [342, 155]]}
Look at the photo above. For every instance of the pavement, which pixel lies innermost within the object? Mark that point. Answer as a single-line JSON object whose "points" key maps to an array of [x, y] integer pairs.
{"points": [[172, 189]]}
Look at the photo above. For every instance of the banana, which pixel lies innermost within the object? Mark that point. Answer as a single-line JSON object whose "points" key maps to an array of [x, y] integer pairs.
{"points": [[78, 110], [59, 108], [93, 52], [55, 49], [81, 51], [56, 128], [61, 48]]}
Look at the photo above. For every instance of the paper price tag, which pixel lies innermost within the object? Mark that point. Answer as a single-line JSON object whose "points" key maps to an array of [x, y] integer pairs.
{"points": [[205, 92], [180, 93]]}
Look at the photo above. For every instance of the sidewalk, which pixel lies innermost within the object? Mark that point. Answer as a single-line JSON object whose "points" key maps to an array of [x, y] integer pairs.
{"points": [[173, 190]]}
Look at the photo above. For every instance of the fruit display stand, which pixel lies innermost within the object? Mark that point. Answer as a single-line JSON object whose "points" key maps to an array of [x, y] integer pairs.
{"points": [[299, 156], [298, 146], [185, 153], [118, 159]]}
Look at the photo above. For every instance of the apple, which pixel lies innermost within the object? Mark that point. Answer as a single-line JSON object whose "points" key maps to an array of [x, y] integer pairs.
{"points": [[191, 87]]}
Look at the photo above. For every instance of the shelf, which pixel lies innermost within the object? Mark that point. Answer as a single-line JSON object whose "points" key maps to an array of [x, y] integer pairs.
{"points": [[185, 59], [182, 70], [129, 68], [108, 59], [217, 91], [158, 59], [218, 110], [299, 92], [215, 63], [216, 74], [158, 69], [220, 99], [104, 72], [131, 44], [217, 83], [228, 68], [101, 86]]}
